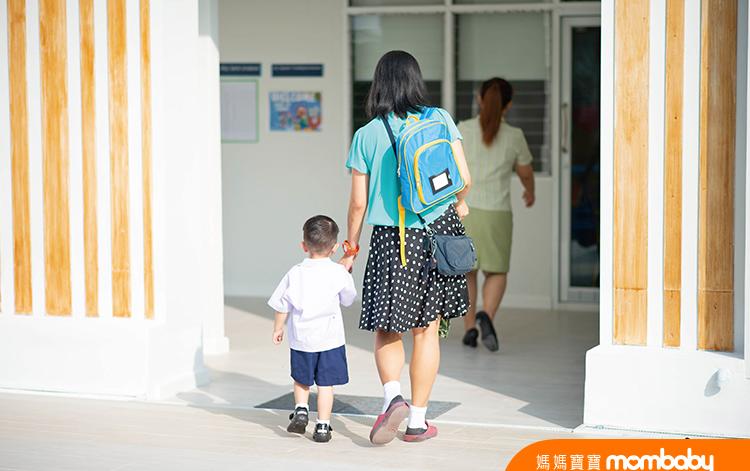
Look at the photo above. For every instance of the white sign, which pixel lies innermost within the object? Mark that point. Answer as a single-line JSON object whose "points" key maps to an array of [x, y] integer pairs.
{"points": [[239, 110]]}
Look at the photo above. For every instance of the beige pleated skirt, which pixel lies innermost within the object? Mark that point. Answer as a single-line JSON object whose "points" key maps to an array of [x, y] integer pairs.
{"points": [[492, 233]]}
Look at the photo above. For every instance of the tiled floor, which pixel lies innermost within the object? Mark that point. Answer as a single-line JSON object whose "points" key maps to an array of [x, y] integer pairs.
{"points": [[535, 380], [532, 390], [60, 434]]}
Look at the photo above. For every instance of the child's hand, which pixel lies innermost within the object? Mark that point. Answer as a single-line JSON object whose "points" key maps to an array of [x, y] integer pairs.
{"points": [[348, 262], [278, 336]]}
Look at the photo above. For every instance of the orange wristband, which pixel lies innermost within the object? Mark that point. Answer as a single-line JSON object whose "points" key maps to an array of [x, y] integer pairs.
{"points": [[350, 251]]}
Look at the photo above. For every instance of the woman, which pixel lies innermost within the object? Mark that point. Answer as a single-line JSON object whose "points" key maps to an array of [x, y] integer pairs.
{"points": [[493, 149], [398, 299]]}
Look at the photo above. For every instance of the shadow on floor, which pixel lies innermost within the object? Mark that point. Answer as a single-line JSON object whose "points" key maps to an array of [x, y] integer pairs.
{"points": [[275, 419]]}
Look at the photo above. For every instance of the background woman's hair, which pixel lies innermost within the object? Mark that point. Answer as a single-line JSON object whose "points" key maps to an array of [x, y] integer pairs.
{"points": [[494, 96], [397, 86]]}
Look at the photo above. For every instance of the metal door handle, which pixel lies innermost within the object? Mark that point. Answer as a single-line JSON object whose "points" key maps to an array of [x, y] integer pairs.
{"points": [[564, 131]]}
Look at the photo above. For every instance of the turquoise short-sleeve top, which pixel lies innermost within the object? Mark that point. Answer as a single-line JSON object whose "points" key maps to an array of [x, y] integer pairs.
{"points": [[371, 153]]}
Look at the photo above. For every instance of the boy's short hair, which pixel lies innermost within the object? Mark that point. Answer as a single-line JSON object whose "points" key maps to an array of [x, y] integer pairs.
{"points": [[320, 234]]}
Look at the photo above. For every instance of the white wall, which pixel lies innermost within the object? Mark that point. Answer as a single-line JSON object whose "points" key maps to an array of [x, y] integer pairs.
{"points": [[214, 340], [129, 356], [272, 186]]}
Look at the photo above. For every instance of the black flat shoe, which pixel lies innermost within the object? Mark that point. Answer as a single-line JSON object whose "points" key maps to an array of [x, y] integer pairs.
{"points": [[489, 336], [470, 337], [298, 420], [322, 433]]}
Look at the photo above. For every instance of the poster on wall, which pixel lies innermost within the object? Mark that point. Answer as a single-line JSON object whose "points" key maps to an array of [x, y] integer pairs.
{"points": [[239, 110], [294, 111]]}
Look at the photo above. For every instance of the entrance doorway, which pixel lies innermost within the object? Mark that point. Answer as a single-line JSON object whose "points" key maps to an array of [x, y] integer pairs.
{"points": [[579, 158]]}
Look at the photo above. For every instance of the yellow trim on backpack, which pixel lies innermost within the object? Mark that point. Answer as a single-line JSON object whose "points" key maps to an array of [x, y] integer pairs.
{"points": [[402, 231]]}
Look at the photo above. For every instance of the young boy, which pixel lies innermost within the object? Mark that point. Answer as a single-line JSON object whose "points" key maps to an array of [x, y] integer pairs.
{"points": [[307, 300]]}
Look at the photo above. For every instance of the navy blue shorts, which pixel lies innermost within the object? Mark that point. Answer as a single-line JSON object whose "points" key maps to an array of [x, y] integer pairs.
{"points": [[322, 368]]}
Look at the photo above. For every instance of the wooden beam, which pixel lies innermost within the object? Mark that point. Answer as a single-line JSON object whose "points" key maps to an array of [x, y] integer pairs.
{"points": [[631, 171], [19, 150], [88, 137], [675, 52], [118, 143], [146, 146], [717, 155], [55, 153]]}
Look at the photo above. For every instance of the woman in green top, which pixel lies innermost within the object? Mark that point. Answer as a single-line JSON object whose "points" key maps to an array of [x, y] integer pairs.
{"points": [[493, 150]]}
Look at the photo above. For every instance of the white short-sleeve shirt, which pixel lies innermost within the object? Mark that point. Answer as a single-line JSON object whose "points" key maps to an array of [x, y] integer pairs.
{"points": [[312, 293], [491, 168]]}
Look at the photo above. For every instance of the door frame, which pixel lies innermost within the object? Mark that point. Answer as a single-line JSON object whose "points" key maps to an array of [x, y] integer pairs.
{"points": [[583, 298]]}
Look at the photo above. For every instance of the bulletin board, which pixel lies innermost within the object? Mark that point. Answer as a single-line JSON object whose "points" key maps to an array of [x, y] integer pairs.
{"points": [[239, 110]]}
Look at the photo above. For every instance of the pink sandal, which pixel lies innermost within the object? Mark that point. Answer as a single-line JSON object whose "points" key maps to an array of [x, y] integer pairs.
{"points": [[386, 426], [420, 434]]}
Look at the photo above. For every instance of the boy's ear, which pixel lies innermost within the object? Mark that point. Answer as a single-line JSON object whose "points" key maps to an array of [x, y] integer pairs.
{"points": [[335, 248], [304, 246]]}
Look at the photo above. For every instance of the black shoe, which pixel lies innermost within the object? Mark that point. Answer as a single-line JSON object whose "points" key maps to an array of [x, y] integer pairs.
{"points": [[322, 433], [470, 337], [299, 419], [489, 336]]}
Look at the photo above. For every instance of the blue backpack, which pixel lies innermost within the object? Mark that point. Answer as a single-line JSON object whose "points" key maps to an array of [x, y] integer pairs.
{"points": [[427, 170]]}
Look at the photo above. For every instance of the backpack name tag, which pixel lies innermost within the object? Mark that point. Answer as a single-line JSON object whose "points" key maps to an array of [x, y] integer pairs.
{"points": [[440, 181]]}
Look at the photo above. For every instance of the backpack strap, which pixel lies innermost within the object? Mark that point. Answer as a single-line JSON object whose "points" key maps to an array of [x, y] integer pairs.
{"points": [[401, 209]]}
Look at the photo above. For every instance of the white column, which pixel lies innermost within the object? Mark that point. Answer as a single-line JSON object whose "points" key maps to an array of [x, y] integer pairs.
{"points": [[746, 150], [606, 287], [657, 44], [214, 340], [36, 181], [75, 169], [690, 177], [740, 299], [7, 295], [135, 158], [103, 189], [449, 67]]}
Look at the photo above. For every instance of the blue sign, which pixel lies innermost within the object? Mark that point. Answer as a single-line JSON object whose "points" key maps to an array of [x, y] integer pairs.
{"points": [[240, 69], [297, 70]]}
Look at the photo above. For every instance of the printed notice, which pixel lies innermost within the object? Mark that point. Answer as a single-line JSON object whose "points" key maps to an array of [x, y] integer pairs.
{"points": [[239, 111]]}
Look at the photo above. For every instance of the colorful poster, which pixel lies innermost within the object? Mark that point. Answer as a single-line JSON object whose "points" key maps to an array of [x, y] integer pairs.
{"points": [[294, 111]]}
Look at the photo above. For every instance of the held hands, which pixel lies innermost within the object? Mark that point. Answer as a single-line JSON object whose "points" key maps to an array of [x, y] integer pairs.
{"points": [[462, 209], [528, 198], [278, 336], [348, 262]]}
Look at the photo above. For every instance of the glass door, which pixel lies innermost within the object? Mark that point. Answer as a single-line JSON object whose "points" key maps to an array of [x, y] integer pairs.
{"points": [[579, 159]]}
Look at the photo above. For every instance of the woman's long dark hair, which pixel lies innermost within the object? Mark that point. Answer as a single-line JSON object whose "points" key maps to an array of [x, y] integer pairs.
{"points": [[397, 86], [494, 97]]}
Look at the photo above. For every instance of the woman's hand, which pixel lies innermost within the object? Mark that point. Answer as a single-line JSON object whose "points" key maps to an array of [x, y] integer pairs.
{"points": [[348, 262], [528, 198], [278, 336], [462, 209]]}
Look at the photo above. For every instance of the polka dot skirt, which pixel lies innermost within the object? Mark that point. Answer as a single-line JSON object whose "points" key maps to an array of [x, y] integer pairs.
{"points": [[396, 298]]}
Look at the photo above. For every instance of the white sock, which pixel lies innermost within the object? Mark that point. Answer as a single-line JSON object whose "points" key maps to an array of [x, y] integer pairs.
{"points": [[416, 417], [302, 404], [327, 422], [391, 389]]}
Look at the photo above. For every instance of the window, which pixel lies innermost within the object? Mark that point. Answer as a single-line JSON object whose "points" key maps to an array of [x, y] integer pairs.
{"points": [[487, 46], [374, 35], [505, 38]]}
